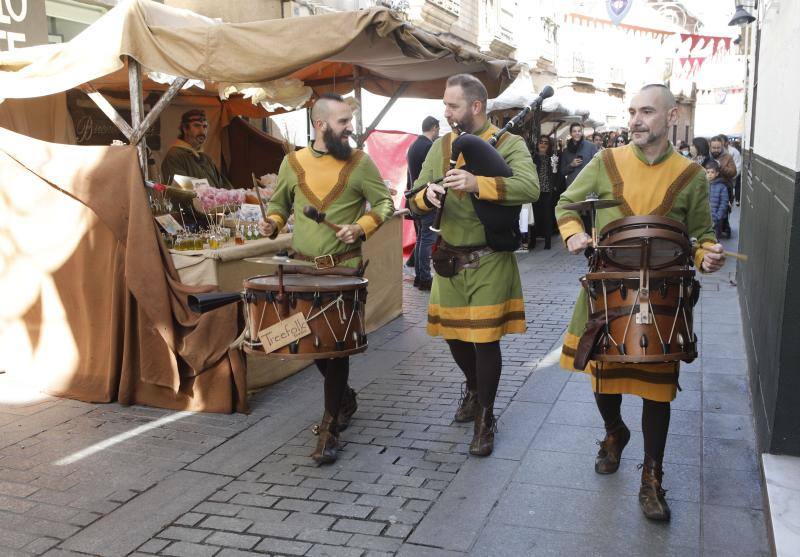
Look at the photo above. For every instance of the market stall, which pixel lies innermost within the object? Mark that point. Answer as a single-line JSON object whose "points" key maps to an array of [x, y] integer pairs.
{"points": [[104, 316]]}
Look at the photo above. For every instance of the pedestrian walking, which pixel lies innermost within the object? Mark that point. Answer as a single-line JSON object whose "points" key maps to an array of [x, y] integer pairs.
{"points": [[727, 171], [425, 236], [717, 196], [339, 180], [575, 157], [699, 151], [544, 209], [737, 160], [476, 296], [651, 179]]}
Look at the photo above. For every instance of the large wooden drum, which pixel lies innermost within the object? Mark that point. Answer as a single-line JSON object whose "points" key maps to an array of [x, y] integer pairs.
{"points": [[641, 293], [332, 307]]}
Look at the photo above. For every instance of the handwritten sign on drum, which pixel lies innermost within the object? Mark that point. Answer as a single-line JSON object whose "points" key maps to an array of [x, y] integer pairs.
{"points": [[284, 332]]}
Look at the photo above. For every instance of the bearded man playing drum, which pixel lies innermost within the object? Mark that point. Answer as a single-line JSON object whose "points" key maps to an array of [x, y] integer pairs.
{"points": [[650, 178], [336, 179], [474, 307]]}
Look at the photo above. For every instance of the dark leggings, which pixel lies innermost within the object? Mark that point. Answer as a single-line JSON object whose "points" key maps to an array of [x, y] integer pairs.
{"points": [[655, 421], [481, 363], [335, 371]]}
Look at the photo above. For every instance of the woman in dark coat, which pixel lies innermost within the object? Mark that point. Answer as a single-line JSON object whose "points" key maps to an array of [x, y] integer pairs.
{"points": [[544, 209], [699, 151]]}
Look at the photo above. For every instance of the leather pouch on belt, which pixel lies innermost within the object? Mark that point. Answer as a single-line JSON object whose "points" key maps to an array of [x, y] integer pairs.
{"points": [[446, 262], [591, 334]]}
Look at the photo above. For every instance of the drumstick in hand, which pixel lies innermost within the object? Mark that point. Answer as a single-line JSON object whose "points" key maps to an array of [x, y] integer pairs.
{"points": [[739, 256], [316, 216]]}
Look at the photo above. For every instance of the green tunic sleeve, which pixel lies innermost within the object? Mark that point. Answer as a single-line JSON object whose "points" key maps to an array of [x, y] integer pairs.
{"points": [[587, 181], [282, 200], [522, 186], [370, 183], [698, 215], [431, 171]]}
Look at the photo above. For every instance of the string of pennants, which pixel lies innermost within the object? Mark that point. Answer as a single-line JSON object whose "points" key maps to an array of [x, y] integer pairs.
{"points": [[716, 90], [691, 65], [717, 42]]}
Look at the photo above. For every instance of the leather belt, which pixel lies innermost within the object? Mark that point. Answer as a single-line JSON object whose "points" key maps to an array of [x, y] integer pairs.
{"points": [[470, 255], [328, 261]]}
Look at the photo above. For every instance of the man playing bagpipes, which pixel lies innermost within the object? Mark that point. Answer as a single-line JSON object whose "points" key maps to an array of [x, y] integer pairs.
{"points": [[476, 296]]}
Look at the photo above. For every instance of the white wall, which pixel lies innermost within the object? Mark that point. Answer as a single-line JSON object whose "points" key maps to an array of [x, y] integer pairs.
{"points": [[777, 126]]}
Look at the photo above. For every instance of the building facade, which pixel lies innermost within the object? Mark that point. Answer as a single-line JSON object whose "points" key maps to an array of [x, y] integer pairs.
{"points": [[770, 226]]}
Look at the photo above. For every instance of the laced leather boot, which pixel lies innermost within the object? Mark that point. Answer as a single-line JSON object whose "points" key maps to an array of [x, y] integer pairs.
{"points": [[610, 453], [651, 495], [348, 408], [485, 428], [327, 442], [467, 406]]}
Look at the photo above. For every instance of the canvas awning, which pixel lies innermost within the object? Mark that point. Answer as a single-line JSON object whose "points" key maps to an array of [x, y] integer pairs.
{"points": [[320, 50]]}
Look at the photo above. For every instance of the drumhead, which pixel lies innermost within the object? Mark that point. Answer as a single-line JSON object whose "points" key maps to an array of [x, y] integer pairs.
{"points": [[662, 253], [624, 242], [644, 221], [306, 283]]}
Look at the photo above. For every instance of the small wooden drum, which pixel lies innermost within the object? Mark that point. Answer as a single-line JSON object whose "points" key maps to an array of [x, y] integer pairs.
{"points": [[331, 306], [641, 293]]}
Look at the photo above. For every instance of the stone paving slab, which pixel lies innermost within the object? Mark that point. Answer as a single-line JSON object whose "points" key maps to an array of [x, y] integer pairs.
{"points": [[241, 485]]}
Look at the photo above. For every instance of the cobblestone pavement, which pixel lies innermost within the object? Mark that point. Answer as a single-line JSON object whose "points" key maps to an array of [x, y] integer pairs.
{"points": [[89, 479]]}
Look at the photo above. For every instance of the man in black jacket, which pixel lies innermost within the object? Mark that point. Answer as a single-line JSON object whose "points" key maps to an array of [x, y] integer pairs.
{"points": [[575, 157], [425, 236]]}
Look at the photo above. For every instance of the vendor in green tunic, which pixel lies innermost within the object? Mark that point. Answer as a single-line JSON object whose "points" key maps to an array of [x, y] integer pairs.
{"points": [[337, 180], [651, 178], [186, 156], [482, 302]]}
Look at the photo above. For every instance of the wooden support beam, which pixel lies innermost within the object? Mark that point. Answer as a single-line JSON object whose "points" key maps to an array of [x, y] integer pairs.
{"points": [[397, 94], [107, 109], [156, 111], [137, 109], [359, 113]]}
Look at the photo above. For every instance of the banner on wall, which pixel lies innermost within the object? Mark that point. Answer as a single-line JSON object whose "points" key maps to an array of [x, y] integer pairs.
{"points": [[388, 149]]}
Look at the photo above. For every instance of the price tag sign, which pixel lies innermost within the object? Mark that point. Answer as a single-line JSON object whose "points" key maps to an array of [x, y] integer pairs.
{"points": [[287, 331], [169, 224]]}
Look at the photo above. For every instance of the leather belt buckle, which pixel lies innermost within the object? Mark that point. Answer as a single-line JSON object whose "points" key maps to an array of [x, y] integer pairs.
{"points": [[322, 262]]}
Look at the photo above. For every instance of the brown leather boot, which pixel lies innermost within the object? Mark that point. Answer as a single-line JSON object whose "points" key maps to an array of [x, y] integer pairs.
{"points": [[328, 441], [610, 453], [467, 406], [651, 495], [347, 409], [483, 439]]}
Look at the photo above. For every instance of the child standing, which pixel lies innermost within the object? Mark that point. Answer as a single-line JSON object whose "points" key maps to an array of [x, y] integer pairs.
{"points": [[717, 195]]}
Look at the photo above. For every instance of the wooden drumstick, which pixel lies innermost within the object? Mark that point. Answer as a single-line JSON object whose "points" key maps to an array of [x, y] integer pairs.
{"points": [[739, 256], [735, 255], [318, 217]]}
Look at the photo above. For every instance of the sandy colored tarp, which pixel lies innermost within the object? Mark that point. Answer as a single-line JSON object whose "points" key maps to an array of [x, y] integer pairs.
{"points": [[92, 308], [318, 49]]}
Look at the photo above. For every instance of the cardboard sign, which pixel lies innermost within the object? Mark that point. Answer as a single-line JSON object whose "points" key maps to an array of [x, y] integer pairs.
{"points": [[287, 331], [169, 224]]}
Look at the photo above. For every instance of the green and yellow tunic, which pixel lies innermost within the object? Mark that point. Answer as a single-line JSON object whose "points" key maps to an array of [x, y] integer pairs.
{"points": [[183, 160], [672, 186], [337, 188], [484, 303]]}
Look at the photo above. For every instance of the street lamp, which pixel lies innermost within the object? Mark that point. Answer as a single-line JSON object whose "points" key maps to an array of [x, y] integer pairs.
{"points": [[741, 17]]}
